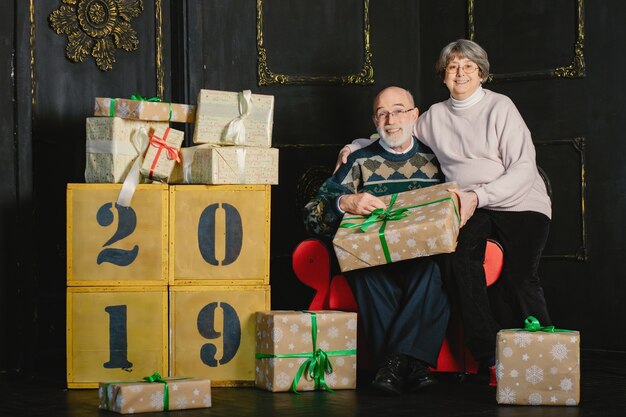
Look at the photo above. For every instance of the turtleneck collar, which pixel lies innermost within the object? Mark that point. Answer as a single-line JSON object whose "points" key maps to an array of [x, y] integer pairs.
{"points": [[468, 102]]}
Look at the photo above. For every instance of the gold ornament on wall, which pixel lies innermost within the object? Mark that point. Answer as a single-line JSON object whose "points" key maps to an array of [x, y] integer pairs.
{"points": [[97, 28]]}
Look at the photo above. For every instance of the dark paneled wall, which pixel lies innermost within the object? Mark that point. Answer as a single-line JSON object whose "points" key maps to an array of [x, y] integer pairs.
{"points": [[213, 45]]}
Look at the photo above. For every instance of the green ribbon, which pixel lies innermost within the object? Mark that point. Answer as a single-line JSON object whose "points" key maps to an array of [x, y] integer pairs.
{"points": [[385, 215], [112, 107], [317, 364], [156, 377], [151, 99], [531, 324]]}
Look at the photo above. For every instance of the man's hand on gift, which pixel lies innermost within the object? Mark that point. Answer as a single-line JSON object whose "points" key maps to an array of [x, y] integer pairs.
{"points": [[468, 201], [360, 204]]}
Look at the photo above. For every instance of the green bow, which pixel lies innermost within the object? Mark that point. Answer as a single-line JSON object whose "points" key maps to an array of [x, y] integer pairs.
{"points": [[317, 363], [151, 99], [156, 377], [531, 324]]}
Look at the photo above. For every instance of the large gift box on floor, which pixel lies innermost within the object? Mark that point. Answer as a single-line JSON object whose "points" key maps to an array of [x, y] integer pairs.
{"points": [[231, 118], [305, 351], [144, 110], [205, 164], [416, 223], [538, 367], [112, 146], [155, 394], [162, 154]]}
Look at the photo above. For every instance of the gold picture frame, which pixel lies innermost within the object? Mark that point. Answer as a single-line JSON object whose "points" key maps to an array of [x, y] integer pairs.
{"points": [[576, 69], [578, 143], [268, 77]]}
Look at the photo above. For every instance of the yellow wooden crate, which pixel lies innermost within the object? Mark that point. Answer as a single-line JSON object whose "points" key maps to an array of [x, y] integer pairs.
{"points": [[109, 245], [219, 234], [213, 332], [115, 333]]}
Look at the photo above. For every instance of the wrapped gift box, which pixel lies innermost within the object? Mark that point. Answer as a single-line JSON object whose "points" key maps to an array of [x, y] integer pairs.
{"points": [[149, 395], [112, 146], [416, 223], [249, 117], [205, 164], [162, 154], [538, 368], [144, 110], [284, 345]]}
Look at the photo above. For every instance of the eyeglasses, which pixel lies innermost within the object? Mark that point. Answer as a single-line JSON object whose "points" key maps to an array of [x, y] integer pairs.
{"points": [[467, 68], [383, 115]]}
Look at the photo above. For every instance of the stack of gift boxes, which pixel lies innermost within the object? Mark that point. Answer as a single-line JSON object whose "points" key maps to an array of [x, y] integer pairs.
{"points": [[168, 248]]}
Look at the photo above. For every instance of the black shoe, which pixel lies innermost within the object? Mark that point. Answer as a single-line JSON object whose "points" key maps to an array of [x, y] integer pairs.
{"points": [[390, 377], [419, 376]]}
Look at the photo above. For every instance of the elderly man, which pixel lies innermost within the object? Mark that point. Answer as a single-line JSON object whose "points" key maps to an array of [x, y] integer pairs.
{"points": [[402, 306]]}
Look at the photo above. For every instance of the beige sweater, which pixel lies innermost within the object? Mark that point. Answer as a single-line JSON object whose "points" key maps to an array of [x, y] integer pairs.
{"points": [[488, 149]]}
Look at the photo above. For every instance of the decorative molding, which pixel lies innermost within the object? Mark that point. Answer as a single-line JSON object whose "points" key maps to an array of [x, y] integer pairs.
{"points": [[268, 77], [576, 69], [578, 143], [97, 28]]}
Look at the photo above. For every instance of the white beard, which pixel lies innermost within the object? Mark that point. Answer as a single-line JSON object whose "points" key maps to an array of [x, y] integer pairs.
{"points": [[396, 141]]}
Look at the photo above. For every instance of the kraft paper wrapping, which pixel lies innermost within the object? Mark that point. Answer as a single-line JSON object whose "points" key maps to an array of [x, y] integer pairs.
{"points": [[206, 164], [110, 150], [538, 368], [162, 154], [143, 396], [144, 110], [431, 226], [219, 110], [288, 332]]}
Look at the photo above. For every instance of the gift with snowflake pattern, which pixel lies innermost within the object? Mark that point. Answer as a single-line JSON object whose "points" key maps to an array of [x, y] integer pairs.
{"points": [[154, 394], [538, 366], [290, 358], [416, 223]]}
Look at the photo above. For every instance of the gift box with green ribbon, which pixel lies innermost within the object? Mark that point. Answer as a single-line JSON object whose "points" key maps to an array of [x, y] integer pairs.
{"points": [[142, 108], [415, 223], [154, 393], [538, 365], [305, 350]]}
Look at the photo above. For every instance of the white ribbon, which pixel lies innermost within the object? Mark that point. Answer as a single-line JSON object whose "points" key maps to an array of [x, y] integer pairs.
{"points": [[236, 128], [241, 164], [113, 147], [140, 142]]}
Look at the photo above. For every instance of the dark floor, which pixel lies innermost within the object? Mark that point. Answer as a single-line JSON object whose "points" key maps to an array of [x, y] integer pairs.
{"points": [[603, 394]]}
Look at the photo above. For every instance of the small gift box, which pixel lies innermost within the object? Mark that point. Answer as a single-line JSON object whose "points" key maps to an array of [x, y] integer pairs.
{"points": [[538, 365], [416, 223], [162, 154], [230, 118], [154, 394], [306, 351], [113, 144], [206, 164], [140, 108]]}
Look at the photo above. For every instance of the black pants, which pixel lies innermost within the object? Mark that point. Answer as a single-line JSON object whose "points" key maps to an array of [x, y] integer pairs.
{"points": [[402, 308], [518, 292]]}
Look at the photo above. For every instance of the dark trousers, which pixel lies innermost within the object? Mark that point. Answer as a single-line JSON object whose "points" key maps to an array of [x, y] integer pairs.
{"points": [[518, 292], [402, 308]]}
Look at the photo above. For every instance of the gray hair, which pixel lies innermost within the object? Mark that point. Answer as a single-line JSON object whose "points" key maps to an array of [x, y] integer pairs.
{"points": [[463, 48]]}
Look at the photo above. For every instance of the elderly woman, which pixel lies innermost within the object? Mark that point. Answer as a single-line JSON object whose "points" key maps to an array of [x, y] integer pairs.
{"points": [[484, 145]]}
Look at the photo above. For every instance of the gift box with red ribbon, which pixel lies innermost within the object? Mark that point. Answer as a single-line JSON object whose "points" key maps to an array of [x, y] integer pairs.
{"points": [[415, 223], [154, 393], [162, 154], [141, 108], [305, 350]]}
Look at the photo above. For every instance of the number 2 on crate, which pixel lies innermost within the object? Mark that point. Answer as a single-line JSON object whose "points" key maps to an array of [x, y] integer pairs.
{"points": [[126, 223]]}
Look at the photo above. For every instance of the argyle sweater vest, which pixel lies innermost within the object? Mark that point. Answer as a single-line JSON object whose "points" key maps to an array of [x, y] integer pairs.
{"points": [[373, 170]]}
